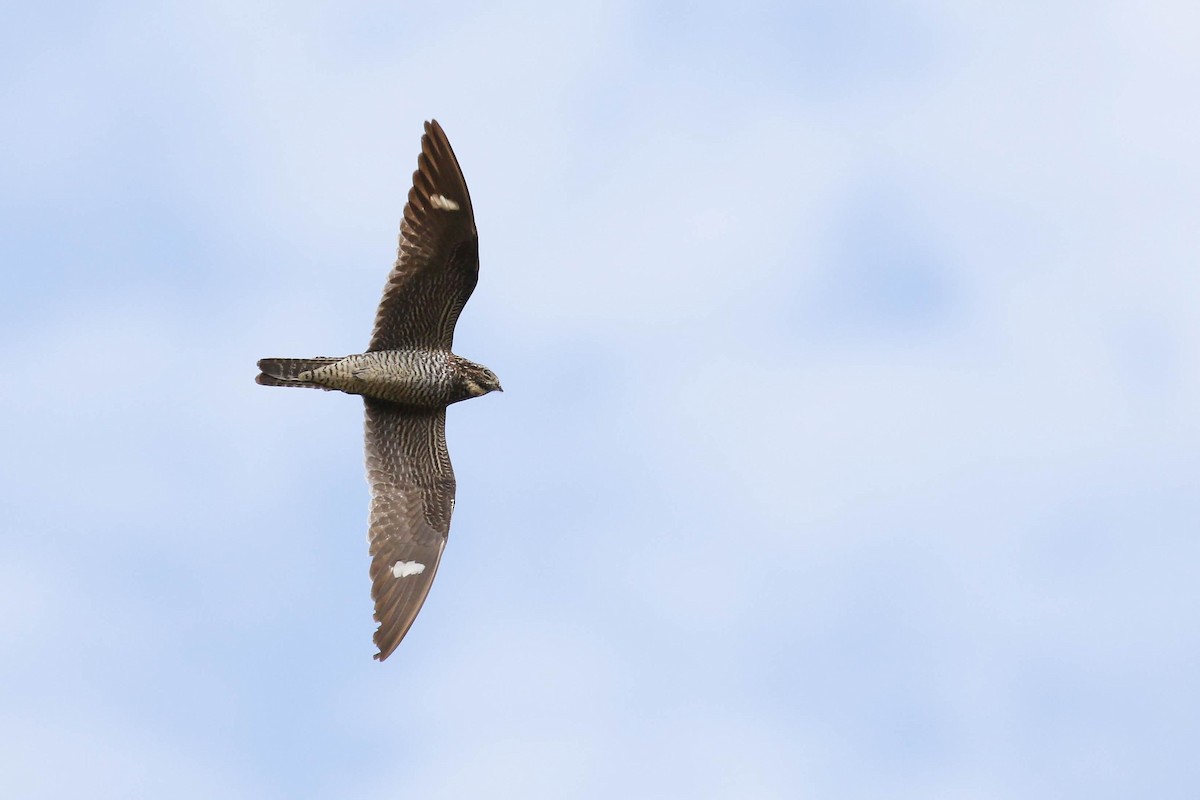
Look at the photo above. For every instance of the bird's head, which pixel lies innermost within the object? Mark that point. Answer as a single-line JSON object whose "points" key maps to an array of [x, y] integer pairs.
{"points": [[480, 380]]}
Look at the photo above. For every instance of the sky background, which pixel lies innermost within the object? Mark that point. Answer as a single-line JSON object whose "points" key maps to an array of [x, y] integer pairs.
{"points": [[849, 446]]}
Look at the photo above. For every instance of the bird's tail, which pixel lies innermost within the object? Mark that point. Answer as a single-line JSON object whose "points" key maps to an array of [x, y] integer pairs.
{"points": [[285, 371]]}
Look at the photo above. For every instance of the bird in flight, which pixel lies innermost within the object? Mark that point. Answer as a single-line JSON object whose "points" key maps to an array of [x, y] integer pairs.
{"points": [[407, 377]]}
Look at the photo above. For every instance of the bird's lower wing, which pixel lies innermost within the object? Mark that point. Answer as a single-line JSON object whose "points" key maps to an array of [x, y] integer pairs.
{"points": [[412, 497]]}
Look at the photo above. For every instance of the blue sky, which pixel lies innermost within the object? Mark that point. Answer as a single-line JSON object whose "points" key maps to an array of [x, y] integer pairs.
{"points": [[849, 445]]}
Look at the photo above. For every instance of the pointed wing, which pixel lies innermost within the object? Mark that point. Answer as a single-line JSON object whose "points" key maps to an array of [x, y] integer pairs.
{"points": [[438, 263], [412, 497]]}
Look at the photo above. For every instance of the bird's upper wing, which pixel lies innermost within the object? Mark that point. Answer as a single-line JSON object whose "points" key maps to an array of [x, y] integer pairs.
{"points": [[412, 497], [438, 263]]}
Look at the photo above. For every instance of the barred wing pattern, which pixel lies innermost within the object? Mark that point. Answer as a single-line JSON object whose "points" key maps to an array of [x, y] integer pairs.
{"points": [[438, 264], [412, 497]]}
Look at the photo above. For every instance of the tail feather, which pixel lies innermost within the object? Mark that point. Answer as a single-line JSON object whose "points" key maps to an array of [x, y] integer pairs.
{"points": [[285, 371]]}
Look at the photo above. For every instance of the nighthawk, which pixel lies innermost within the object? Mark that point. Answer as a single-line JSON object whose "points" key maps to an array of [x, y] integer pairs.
{"points": [[407, 377]]}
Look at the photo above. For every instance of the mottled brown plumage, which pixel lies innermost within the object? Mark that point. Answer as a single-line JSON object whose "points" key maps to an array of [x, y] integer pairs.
{"points": [[407, 377]]}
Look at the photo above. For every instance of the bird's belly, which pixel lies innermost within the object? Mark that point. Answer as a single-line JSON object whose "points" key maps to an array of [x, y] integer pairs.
{"points": [[376, 375]]}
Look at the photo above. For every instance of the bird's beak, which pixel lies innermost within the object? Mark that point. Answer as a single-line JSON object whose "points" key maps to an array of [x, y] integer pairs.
{"points": [[499, 388]]}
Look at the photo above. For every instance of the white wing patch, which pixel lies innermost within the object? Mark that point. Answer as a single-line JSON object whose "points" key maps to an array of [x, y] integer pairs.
{"points": [[402, 569], [442, 203]]}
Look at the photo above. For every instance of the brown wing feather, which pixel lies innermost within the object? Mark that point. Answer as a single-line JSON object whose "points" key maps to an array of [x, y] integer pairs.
{"points": [[412, 497], [438, 262]]}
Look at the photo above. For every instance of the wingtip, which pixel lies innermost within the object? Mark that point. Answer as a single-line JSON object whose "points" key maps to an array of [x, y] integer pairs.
{"points": [[382, 655], [434, 132]]}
